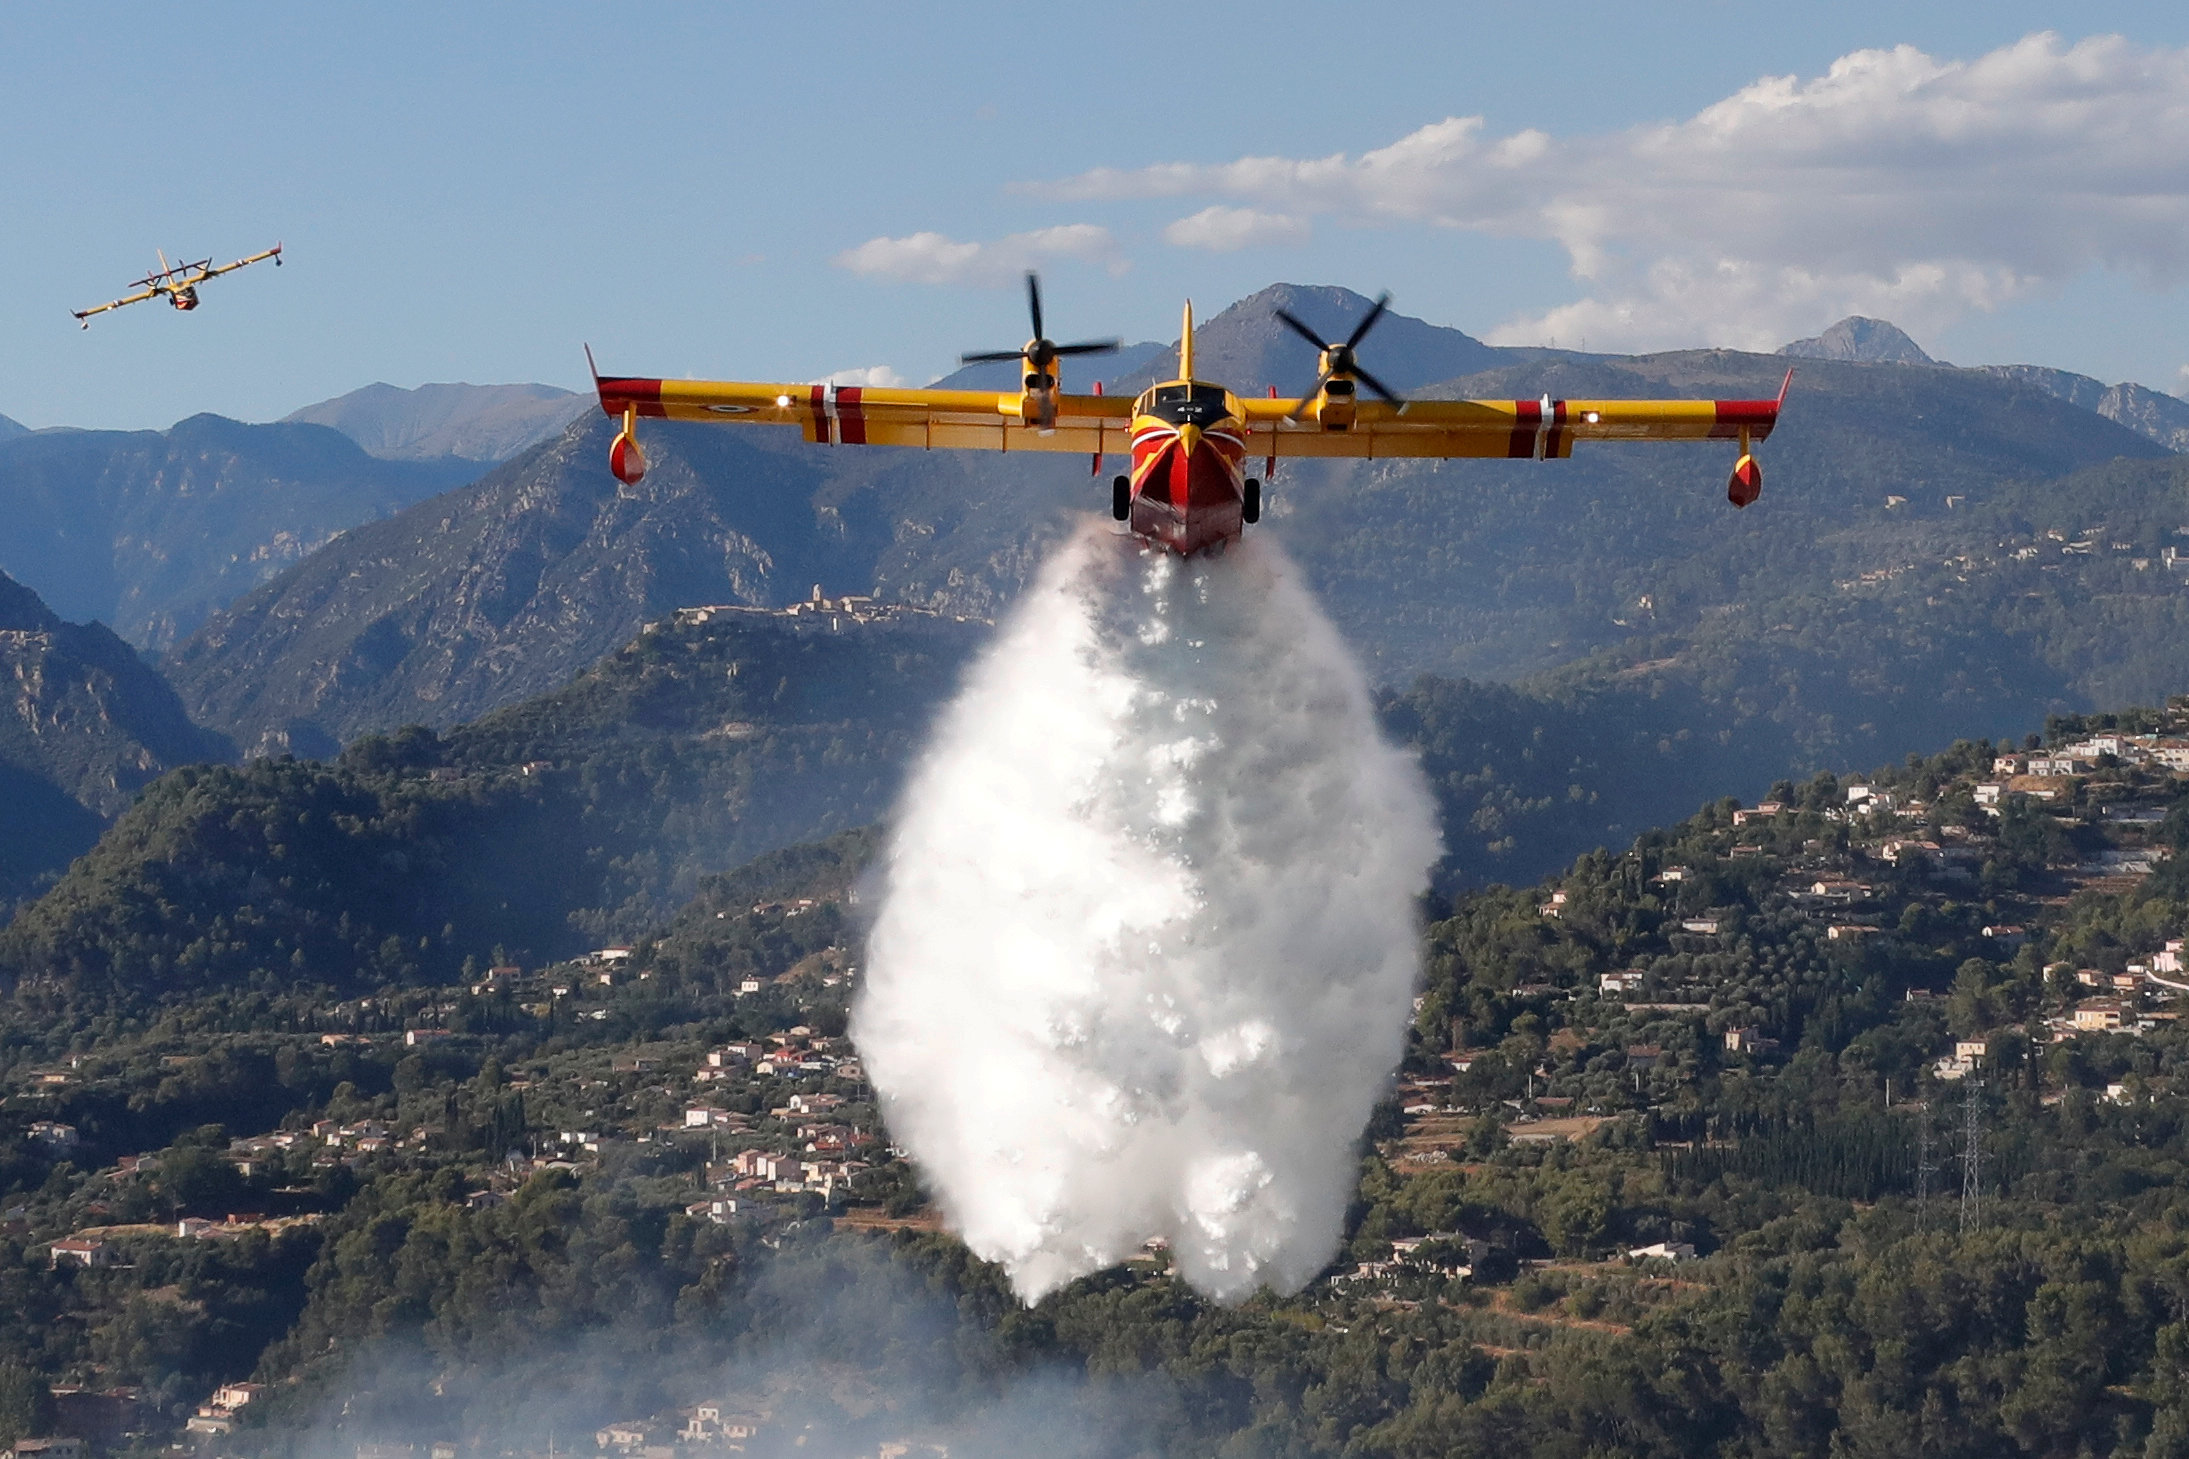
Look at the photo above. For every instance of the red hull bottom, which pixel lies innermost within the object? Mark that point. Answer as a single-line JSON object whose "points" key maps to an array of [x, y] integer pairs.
{"points": [[1213, 491], [1200, 529]]}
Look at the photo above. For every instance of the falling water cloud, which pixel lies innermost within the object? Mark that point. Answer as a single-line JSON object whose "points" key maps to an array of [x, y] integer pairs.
{"points": [[1148, 936]]}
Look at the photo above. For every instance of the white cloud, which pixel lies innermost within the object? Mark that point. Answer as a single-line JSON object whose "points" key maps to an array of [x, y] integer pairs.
{"points": [[882, 377], [1227, 230], [1895, 184], [931, 258]]}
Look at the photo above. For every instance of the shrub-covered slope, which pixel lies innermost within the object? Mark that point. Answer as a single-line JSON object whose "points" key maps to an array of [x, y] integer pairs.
{"points": [[550, 827]]}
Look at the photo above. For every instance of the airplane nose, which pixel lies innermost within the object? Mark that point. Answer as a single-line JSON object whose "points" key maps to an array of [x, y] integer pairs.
{"points": [[1189, 440]]}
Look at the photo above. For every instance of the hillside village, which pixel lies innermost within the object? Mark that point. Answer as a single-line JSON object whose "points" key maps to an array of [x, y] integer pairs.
{"points": [[759, 1130], [819, 611], [1966, 886]]}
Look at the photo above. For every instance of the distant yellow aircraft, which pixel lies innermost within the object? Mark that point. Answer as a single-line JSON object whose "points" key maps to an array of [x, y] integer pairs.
{"points": [[1189, 440], [179, 282]]}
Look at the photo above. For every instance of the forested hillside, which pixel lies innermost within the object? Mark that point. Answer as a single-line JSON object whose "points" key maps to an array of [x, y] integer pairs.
{"points": [[548, 828], [588, 813], [1850, 1122]]}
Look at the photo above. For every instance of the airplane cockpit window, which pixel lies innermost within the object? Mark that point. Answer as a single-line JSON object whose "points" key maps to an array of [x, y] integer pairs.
{"points": [[1188, 405]]}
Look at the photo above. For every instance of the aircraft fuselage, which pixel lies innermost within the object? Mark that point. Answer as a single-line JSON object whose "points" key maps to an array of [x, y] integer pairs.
{"points": [[1188, 467]]}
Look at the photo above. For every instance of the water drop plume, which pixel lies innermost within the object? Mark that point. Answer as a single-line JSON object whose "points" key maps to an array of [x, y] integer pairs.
{"points": [[1148, 938]]}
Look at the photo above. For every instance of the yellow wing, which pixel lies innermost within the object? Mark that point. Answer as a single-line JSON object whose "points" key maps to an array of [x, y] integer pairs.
{"points": [[136, 298], [1521, 429], [273, 253], [853, 415]]}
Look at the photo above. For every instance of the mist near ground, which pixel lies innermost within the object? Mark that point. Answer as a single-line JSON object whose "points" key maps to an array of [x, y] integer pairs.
{"points": [[831, 1348]]}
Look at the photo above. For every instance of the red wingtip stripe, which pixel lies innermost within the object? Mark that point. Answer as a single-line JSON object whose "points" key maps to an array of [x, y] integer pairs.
{"points": [[1754, 416], [620, 391]]}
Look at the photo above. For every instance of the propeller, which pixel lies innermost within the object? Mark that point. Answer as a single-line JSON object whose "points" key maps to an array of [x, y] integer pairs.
{"points": [[1041, 352], [1339, 359]]}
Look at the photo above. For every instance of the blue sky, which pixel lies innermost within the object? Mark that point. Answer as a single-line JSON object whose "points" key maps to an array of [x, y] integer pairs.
{"points": [[470, 192]]}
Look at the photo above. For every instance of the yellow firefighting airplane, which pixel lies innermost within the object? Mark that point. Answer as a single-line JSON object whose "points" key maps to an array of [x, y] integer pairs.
{"points": [[1189, 440], [179, 282]]}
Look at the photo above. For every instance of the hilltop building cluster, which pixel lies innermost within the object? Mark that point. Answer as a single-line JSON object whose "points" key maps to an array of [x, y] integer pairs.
{"points": [[1949, 880], [819, 611]]}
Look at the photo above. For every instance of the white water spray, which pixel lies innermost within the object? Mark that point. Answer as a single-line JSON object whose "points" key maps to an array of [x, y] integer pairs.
{"points": [[1148, 942]]}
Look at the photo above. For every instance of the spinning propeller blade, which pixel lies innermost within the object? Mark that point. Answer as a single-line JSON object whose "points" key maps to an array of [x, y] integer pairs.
{"points": [[1040, 351], [1360, 330], [1338, 360]]}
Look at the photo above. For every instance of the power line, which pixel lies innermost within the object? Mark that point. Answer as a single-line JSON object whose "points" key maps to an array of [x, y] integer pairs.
{"points": [[1925, 1165], [1972, 1157]]}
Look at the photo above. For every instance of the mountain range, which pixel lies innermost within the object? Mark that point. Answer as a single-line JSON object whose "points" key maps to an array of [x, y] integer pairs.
{"points": [[485, 423], [1938, 552], [1470, 569], [509, 587], [150, 532]]}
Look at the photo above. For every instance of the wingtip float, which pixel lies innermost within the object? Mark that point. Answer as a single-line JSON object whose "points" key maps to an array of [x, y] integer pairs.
{"points": [[177, 283], [1189, 440], [1746, 483]]}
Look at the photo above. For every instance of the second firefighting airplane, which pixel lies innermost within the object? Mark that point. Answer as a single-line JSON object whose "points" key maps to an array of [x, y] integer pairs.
{"points": [[178, 282], [1189, 440]]}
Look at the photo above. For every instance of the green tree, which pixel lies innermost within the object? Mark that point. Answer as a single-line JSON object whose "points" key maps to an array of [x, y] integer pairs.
{"points": [[26, 1403]]}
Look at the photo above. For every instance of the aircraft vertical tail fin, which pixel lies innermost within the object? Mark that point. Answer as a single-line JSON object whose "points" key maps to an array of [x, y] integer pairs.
{"points": [[1185, 345]]}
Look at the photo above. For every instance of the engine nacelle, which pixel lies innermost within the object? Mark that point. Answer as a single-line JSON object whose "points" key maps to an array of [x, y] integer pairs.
{"points": [[1746, 483], [626, 459], [1037, 405]]}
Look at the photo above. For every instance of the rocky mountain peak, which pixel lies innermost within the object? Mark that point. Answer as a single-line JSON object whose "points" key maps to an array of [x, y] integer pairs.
{"points": [[1873, 341], [23, 611], [486, 423], [1248, 348]]}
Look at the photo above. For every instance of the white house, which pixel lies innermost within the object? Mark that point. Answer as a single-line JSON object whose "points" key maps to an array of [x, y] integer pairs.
{"points": [[1663, 1251]]}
